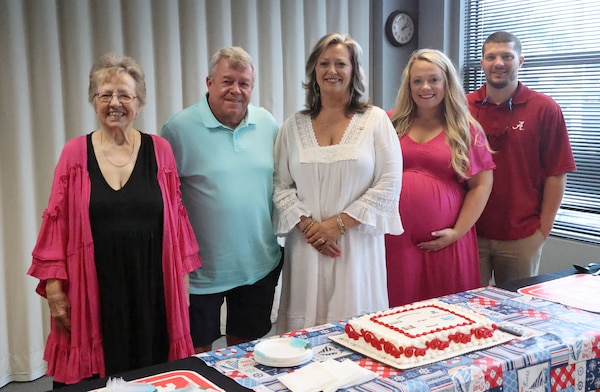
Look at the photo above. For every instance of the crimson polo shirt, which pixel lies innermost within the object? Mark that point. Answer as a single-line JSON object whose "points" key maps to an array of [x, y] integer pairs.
{"points": [[531, 142]]}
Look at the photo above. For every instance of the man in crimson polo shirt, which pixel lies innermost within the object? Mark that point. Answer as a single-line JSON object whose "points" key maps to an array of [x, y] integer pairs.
{"points": [[527, 131]]}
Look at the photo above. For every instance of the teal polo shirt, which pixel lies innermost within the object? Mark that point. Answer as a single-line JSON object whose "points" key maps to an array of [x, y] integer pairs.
{"points": [[227, 188]]}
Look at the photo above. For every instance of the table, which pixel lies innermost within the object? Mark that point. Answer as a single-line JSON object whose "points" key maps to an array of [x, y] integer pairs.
{"points": [[519, 283], [560, 350]]}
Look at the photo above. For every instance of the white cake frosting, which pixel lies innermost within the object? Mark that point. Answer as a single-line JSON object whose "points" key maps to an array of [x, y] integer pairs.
{"points": [[421, 331]]}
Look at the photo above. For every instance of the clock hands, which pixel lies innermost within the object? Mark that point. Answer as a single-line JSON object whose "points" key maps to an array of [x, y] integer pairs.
{"points": [[399, 28]]}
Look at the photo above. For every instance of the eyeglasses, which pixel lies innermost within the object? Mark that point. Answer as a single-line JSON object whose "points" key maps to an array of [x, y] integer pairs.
{"points": [[123, 98], [510, 105]]}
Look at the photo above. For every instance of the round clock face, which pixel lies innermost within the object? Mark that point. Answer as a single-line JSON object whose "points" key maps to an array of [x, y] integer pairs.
{"points": [[399, 28]]}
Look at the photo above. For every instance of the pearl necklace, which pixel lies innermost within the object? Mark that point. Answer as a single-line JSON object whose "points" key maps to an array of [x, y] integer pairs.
{"points": [[109, 161]]}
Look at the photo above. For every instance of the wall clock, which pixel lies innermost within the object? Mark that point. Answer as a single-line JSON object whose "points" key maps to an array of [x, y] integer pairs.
{"points": [[399, 28]]}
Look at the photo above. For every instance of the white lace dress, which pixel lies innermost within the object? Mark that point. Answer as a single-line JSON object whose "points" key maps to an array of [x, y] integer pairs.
{"points": [[360, 176]]}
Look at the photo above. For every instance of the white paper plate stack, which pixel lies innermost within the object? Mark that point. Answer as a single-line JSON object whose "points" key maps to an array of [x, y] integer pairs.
{"points": [[280, 352]]}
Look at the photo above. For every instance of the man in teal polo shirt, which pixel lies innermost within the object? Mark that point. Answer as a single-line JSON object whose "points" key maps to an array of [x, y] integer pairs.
{"points": [[223, 146]]}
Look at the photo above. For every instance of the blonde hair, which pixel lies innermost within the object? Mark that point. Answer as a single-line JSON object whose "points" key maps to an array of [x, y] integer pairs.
{"points": [[457, 120]]}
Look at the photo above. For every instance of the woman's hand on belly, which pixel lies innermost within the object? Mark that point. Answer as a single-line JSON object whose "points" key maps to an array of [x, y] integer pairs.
{"points": [[443, 238]]}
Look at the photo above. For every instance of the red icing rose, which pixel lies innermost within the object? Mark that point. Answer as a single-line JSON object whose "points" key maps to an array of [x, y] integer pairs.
{"points": [[351, 332], [434, 344], [482, 333], [390, 349]]}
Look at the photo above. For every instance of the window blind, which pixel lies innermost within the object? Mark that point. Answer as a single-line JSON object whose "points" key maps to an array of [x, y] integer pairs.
{"points": [[562, 59]]}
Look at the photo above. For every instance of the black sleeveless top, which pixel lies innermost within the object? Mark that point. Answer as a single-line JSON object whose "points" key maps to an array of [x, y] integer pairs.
{"points": [[127, 227]]}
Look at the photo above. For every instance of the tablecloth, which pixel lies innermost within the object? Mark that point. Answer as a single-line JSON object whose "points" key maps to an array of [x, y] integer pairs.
{"points": [[559, 350]]}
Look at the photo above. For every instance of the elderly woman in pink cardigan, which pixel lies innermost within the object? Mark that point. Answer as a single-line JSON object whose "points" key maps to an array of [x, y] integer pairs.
{"points": [[115, 244]]}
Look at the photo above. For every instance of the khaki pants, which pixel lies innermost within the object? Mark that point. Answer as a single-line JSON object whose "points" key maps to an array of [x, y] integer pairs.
{"points": [[506, 261]]}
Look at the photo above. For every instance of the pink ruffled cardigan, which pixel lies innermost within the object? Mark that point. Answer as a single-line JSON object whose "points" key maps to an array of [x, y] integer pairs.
{"points": [[65, 250]]}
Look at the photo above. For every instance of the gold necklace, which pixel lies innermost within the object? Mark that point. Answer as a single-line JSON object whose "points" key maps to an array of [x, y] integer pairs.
{"points": [[109, 161]]}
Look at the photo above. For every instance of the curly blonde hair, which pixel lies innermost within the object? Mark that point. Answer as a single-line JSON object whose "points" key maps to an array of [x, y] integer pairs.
{"points": [[457, 120]]}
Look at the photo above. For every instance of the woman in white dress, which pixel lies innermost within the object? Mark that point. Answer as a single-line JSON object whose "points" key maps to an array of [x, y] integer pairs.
{"points": [[338, 173]]}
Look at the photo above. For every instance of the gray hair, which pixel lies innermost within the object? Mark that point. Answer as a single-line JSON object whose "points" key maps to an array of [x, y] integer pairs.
{"points": [[111, 64], [236, 56]]}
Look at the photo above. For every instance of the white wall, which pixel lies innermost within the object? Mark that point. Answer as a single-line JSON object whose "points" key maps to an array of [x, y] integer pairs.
{"points": [[559, 254]]}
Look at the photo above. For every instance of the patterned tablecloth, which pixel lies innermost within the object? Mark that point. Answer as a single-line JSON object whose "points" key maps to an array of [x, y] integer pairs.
{"points": [[559, 350]]}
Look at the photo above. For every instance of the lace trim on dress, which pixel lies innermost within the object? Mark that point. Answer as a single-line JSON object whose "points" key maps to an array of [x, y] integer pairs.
{"points": [[287, 202], [380, 202], [309, 149]]}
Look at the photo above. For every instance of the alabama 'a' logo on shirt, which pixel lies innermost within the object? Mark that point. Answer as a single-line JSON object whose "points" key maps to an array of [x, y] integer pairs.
{"points": [[520, 126]]}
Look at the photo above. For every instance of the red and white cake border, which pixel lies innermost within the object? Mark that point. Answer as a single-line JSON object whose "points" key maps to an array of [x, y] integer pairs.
{"points": [[417, 356]]}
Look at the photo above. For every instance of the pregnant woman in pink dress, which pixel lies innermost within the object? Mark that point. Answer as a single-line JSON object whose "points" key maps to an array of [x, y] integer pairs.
{"points": [[447, 179]]}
